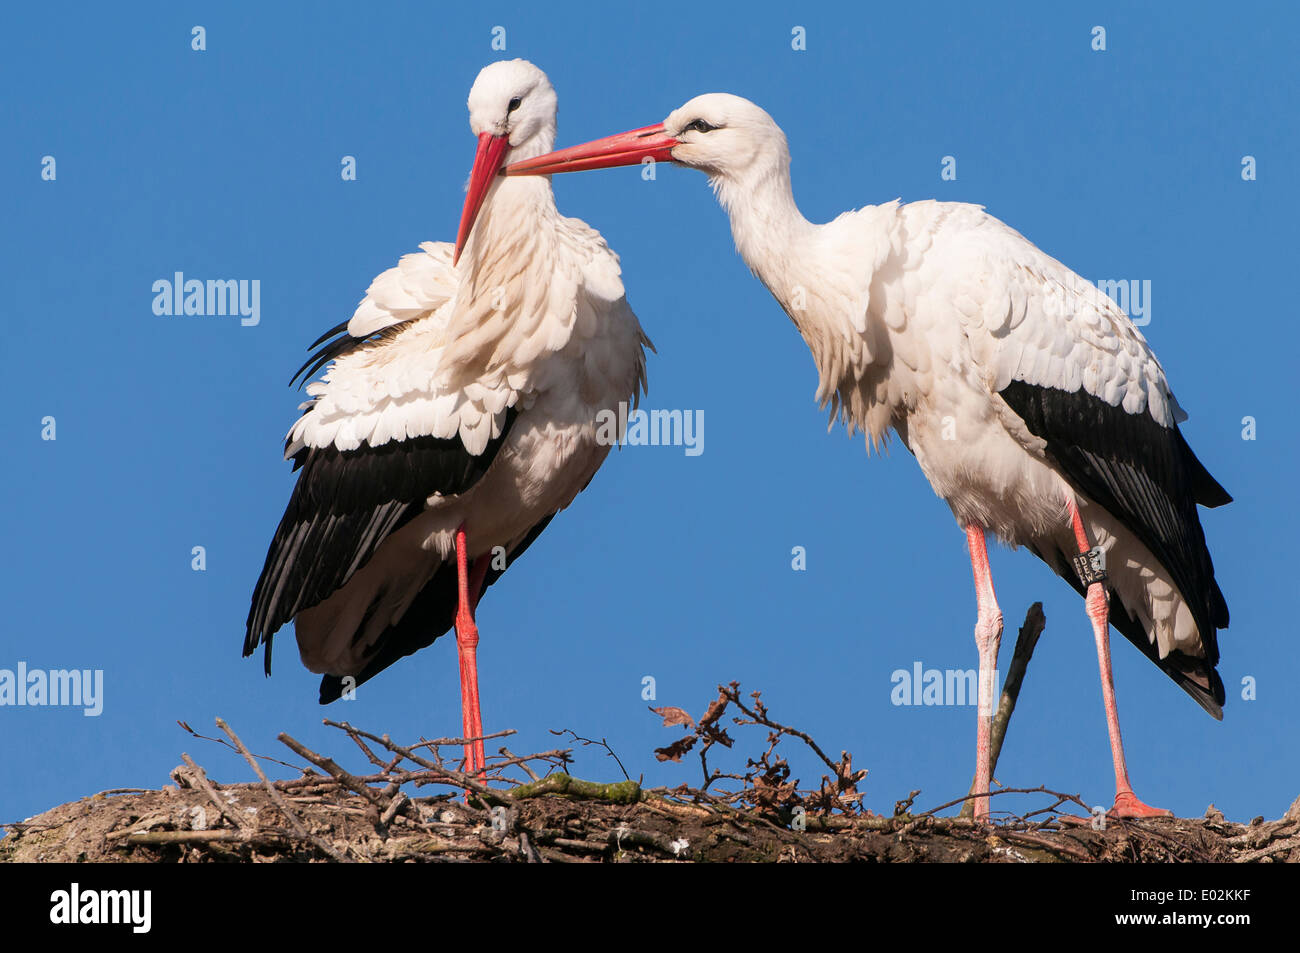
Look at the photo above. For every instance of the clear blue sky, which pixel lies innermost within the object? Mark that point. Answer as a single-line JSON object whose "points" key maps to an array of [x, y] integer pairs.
{"points": [[226, 164]]}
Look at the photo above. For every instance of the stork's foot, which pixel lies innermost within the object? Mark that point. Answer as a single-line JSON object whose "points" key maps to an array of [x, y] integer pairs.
{"points": [[1128, 805]]}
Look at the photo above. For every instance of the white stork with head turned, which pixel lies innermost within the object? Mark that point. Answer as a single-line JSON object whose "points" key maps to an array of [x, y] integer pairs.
{"points": [[1031, 402], [458, 416]]}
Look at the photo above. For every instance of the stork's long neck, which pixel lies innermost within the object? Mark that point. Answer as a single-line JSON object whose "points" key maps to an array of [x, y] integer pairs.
{"points": [[517, 210], [771, 234], [822, 285], [516, 224], [510, 254]]}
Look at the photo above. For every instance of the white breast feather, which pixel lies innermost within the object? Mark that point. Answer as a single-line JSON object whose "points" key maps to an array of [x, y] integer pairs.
{"points": [[463, 357]]}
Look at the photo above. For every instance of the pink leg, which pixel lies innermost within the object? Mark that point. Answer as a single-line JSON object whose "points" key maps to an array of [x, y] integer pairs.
{"points": [[1126, 802], [470, 586], [988, 637]]}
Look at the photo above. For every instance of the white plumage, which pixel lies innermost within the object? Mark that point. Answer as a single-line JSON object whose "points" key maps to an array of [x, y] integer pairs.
{"points": [[958, 307], [462, 397], [440, 375], [1032, 404]]}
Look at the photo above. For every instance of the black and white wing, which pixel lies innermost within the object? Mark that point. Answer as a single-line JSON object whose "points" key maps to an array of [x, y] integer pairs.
{"points": [[1070, 364], [380, 437]]}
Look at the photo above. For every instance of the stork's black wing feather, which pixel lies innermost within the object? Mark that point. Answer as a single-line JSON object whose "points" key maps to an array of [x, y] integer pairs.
{"points": [[327, 350], [1147, 476], [429, 616], [344, 505]]}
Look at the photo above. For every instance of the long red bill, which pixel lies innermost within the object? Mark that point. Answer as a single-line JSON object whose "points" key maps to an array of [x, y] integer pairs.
{"points": [[487, 162], [627, 148]]}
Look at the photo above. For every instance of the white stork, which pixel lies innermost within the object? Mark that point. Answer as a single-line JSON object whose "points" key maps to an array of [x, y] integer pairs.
{"points": [[458, 416], [1033, 405]]}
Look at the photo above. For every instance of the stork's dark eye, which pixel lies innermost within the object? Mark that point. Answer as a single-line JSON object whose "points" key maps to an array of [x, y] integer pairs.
{"points": [[700, 125], [514, 104]]}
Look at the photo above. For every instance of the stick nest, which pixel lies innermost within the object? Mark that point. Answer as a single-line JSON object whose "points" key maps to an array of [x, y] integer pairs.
{"points": [[413, 803]]}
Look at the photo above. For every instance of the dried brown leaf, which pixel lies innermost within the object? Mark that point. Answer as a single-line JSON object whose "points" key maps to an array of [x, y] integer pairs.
{"points": [[675, 750], [716, 709], [674, 716]]}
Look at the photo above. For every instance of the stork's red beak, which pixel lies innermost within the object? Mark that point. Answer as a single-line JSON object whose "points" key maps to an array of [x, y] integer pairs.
{"points": [[487, 163], [627, 148]]}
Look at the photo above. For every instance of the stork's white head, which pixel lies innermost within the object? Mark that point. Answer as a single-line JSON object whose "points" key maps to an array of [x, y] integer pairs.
{"points": [[512, 108], [513, 99], [726, 136]]}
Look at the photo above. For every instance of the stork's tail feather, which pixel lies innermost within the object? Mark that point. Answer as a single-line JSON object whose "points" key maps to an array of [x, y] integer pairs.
{"points": [[1206, 490], [1196, 676], [431, 615]]}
